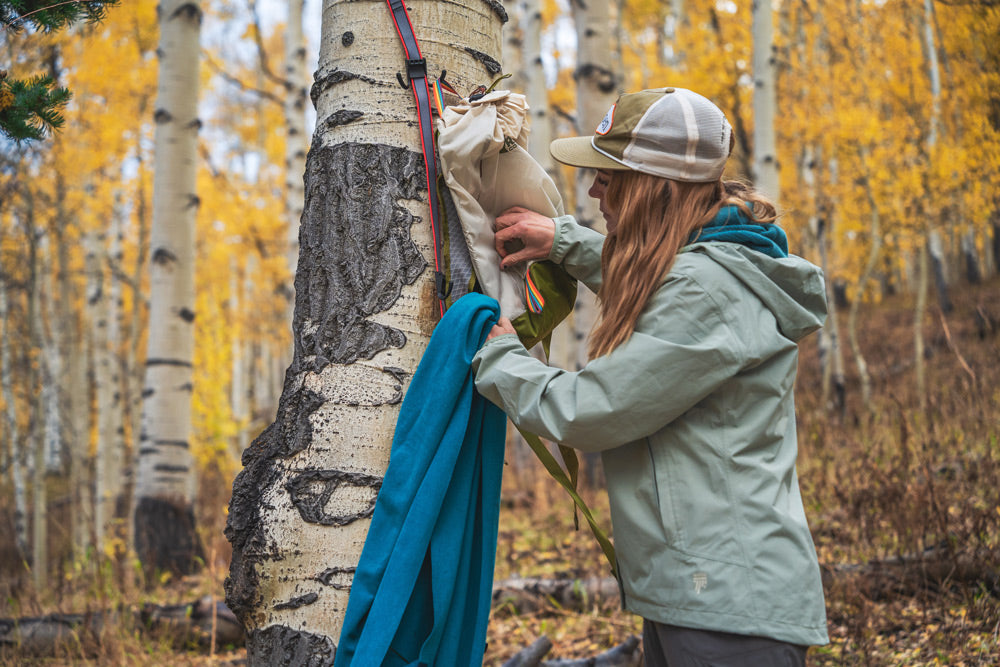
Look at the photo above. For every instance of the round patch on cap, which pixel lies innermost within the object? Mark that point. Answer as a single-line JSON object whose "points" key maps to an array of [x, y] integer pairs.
{"points": [[609, 119]]}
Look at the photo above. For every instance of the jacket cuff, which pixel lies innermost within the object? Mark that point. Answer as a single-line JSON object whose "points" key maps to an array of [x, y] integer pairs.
{"points": [[560, 243]]}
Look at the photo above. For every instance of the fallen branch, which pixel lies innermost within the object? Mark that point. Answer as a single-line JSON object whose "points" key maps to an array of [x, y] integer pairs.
{"points": [[936, 568], [626, 654], [205, 622], [531, 594]]}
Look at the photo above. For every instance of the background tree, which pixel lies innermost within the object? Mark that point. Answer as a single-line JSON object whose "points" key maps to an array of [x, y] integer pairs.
{"points": [[165, 535]]}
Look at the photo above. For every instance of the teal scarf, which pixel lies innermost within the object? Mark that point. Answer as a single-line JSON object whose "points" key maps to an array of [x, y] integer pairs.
{"points": [[731, 225]]}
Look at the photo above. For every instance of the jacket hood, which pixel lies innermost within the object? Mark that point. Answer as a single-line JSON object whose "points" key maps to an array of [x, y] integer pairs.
{"points": [[790, 287]]}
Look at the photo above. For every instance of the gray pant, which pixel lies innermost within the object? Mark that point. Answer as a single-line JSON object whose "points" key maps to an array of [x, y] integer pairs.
{"points": [[672, 646]]}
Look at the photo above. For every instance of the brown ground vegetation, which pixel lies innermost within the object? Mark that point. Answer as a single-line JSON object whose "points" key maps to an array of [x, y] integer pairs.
{"points": [[904, 504]]}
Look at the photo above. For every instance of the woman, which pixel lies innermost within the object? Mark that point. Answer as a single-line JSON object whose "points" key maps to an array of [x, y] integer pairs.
{"points": [[688, 394]]}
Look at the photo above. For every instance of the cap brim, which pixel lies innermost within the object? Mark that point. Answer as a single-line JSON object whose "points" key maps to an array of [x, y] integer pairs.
{"points": [[579, 152]]}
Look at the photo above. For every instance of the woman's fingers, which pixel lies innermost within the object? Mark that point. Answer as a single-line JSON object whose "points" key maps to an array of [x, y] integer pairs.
{"points": [[503, 326], [522, 235]]}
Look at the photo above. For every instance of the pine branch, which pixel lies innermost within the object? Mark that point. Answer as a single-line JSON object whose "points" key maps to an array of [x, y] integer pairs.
{"points": [[50, 15], [29, 108]]}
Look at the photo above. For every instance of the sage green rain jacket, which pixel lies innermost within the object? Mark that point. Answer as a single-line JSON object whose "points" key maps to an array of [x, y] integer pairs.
{"points": [[695, 419]]}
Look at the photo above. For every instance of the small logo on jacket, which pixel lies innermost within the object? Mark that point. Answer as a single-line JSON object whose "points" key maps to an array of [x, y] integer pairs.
{"points": [[700, 580]]}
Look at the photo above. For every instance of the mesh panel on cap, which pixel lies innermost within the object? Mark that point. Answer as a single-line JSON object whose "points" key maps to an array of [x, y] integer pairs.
{"points": [[681, 136]]}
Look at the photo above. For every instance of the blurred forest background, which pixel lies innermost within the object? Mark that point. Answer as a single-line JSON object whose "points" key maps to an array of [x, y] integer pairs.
{"points": [[881, 140]]}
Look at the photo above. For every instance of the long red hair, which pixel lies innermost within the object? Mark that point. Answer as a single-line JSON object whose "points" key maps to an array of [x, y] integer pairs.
{"points": [[656, 217]]}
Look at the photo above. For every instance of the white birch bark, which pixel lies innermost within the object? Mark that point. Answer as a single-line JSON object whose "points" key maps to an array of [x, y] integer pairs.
{"points": [[109, 460], [537, 90], [39, 494], [596, 91], [765, 150], [241, 370], [52, 363], [365, 308], [296, 96], [164, 494], [920, 308]]}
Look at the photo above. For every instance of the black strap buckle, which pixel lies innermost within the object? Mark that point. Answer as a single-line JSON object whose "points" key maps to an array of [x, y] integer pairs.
{"points": [[416, 68]]}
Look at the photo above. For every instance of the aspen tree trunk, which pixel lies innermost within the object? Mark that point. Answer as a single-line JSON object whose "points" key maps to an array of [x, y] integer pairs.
{"points": [[96, 334], [765, 152], [537, 91], [52, 363], [365, 309], [17, 448], [514, 56], [596, 91], [164, 495], [670, 54], [39, 494], [874, 248], [110, 452], [239, 391], [929, 233], [296, 96]]}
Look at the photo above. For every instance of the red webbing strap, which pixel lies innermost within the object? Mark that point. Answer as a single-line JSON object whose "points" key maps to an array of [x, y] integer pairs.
{"points": [[416, 70]]}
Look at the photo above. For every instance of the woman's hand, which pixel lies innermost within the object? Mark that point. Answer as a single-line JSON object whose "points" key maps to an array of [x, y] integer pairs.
{"points": [[523, 235], [503, 326]]}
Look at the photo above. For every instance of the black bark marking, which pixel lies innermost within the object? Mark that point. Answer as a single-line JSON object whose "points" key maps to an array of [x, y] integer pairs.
{"points": [[183, 444], [166, 467], [167, 362], [161, 116], [347, 38], [355, 251], [604, 78], [165, 536], [325, 79], [296, 602], [189, 11], [399, 375], [186, 314], [342, 117], [491, 63], [311, 491], [163, 256], [498, 9], [282, 646], [290, 433], [327, 577]]}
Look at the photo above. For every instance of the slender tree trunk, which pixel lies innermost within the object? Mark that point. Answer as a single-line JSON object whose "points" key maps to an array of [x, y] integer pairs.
{"points": [[296, 97], [537, 91], [52, 363], [765, 155], [874, 248], [365, 308], [596, 90], [132, 372], [918, 326], [109, 460], [164, 496], [39, 494], [17, 448]]}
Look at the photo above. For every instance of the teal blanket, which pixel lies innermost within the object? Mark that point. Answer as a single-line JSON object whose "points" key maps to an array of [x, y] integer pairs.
{"points": [[422, 590]]}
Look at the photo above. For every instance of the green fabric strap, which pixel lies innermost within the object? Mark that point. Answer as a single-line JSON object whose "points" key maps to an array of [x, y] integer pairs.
{"points": [[550, 463]]}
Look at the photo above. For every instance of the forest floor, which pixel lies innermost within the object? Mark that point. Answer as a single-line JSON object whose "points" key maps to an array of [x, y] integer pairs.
{"points": [[903, 499]]}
